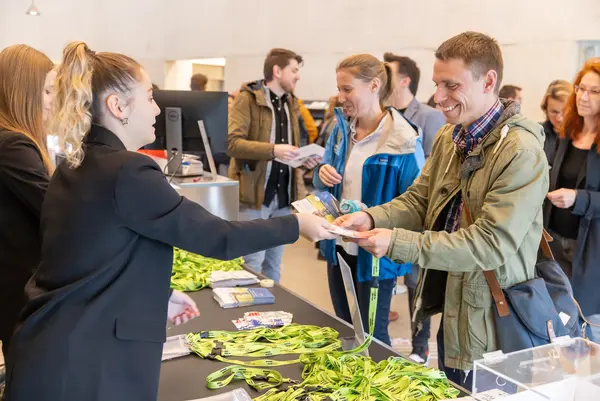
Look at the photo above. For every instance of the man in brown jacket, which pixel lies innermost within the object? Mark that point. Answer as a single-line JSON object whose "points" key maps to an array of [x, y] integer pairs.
{"points": [[263, 135]]}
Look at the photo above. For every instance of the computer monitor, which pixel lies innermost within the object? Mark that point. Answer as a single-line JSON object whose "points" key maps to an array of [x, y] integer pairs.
{"points": [[210, 107]]}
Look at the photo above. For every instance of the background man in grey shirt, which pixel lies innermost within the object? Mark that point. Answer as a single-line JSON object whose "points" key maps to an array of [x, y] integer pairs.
{"points": [[427, 118]]}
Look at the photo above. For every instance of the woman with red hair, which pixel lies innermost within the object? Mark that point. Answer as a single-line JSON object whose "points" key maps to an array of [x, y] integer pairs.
{"points": [[573, 214]]}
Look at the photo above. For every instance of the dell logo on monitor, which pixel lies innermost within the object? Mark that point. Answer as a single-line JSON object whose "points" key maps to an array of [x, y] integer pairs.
{"points": [[173, 115]]}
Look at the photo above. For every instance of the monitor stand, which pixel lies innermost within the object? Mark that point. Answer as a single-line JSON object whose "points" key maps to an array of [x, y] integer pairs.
{"points": [[175, 144], [211, 161]]}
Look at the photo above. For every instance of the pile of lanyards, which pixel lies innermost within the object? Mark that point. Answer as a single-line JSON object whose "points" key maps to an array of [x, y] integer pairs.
{"points": [[191, 272], [328, 374]]}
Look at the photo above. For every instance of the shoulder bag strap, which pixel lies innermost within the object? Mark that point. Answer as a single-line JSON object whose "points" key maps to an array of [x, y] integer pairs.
{"points": [[490, 276]]}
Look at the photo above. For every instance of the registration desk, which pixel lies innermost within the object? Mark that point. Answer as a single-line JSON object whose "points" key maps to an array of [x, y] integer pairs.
{"points": [[184, 379]]}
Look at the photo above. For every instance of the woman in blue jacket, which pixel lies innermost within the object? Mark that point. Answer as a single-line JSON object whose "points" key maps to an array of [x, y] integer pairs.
{"points": [[372, 158]]}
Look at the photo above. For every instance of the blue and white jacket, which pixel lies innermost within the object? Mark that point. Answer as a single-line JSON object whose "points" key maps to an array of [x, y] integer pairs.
{"points": [[386, 175]]}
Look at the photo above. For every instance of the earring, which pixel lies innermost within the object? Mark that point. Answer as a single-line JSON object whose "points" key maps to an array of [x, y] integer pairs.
{"points": [[125, 121]]}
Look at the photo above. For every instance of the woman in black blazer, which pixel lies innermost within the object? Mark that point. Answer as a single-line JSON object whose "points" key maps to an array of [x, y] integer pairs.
{"points": [[553, 103], [95, 321], [573, 214], [24, 174]]}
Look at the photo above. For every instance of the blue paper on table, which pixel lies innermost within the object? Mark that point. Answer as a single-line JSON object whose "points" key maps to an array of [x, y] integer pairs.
{"points": [[237, 297]]}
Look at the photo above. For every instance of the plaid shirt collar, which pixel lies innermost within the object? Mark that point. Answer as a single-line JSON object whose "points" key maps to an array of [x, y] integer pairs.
{"points": [[467, 139]]}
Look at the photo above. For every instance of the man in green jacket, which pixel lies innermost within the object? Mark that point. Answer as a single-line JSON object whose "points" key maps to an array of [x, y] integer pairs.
{"points": [[489, 159]]}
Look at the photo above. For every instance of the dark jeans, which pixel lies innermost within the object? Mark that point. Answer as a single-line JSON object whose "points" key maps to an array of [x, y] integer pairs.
{"points": [[421, 339], [363, 292], [485, 379]]}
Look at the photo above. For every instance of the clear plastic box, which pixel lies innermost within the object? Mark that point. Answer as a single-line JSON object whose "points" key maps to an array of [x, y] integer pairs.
{"points": [[566, 370]]}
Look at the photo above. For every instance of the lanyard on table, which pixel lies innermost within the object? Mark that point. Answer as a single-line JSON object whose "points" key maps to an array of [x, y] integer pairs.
{"points": [[292, 339], [313, 343], [192, 272], [328, 374]]}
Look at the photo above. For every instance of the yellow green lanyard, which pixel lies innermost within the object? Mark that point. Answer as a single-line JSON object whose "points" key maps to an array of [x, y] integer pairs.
{"points": [[374, 295], [329, 374], [192, 272]]}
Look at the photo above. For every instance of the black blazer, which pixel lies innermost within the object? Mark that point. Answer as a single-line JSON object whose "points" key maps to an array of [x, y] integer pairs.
{"points": [[586, 270], [96, 319], [23, 184]]}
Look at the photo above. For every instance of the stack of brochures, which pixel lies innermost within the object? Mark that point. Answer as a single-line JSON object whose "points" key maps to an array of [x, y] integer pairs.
{"points": [[237, 297], [240, 278], [254, 320], [320, 203]]}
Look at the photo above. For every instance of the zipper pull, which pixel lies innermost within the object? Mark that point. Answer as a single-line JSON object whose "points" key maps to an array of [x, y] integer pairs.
{"points": [[503, 135], [450, 162]]}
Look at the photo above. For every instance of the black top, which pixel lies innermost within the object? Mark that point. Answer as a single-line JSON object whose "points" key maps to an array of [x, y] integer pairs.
{"points": [[279, 179], [585, 272], [96, 317], [550, 142], [403, 110], [23, 184], [563, 221]]}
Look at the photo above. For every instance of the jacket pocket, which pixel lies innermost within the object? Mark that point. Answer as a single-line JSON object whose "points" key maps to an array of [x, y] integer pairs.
{"points": [[247, 186], [140, 330], [477, 302]]}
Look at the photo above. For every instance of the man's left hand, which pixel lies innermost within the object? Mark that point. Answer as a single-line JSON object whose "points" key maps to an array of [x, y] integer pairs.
{"points": [[563, 198], [181, 308], [377, 242], [312, 162]]}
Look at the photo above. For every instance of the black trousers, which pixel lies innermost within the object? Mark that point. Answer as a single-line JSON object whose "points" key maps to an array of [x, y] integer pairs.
{"points": [[563, 250]]}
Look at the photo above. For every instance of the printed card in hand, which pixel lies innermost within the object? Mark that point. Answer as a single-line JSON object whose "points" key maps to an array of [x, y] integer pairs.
{"points": [[304, 153], [343, 232]]}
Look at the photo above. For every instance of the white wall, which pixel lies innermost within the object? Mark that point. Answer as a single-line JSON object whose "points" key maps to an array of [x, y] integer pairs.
{"points": [[538, 37], [178, 74]]}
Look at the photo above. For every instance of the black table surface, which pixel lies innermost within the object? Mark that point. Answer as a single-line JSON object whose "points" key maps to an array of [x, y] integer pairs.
{"points": [[184, 378]]}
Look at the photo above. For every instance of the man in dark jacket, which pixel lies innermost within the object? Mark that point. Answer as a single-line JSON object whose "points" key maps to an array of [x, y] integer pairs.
{"points": [[263, 135]]}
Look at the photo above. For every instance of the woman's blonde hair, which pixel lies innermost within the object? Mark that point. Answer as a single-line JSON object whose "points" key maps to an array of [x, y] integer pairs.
{"points": [[558, 90], [82, 78], [367, 67], [23, 71]]}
